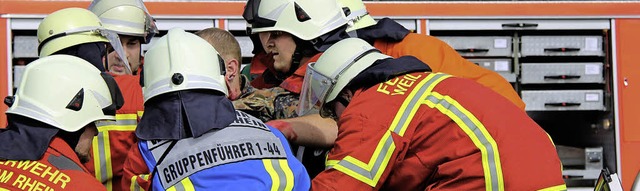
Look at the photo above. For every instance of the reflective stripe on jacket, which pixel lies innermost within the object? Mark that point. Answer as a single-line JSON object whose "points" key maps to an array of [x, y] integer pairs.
{"points": [[436, 132], [247, 155], [110, 147], [58, 169]]}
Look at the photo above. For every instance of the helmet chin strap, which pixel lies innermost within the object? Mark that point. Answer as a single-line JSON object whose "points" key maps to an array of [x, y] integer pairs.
{"points": [[303, 49]]}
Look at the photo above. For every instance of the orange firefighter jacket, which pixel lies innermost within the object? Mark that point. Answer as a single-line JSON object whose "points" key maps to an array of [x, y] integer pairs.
{"points": [[442, 58]]}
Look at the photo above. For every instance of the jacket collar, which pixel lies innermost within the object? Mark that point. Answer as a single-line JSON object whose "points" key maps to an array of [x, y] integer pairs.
{"points": [[385, 29], [184, 114], [386, 69], [25, 138]]}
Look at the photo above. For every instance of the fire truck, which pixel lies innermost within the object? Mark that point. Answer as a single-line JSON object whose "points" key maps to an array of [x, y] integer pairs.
{"points": [[576, 64]]}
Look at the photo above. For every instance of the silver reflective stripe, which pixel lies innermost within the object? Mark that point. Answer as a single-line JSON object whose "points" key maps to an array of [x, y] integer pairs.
{"points": [[102, 155], [134, 182], [63, 163], [282, 176], [490, 151], [27, 109], [370, 174], [231, 144], [136, 187], [415, 102], [117, 122], [155, 87], [198, 81], [122, 23], [179, 187]]}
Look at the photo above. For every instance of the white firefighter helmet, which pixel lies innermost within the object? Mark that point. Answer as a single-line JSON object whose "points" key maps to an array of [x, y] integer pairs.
{"points": [[73, 26], [327, 77], [358, 14], [126, 17], [305, 19], [50, 94], [181, 61]]}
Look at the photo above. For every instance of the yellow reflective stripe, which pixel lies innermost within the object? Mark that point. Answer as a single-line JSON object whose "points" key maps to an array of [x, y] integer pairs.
{"points": [[134, 183], [107, 160], [555, 188], [411, 103], [102, 159], [97, 159], [275, 179], [330, 163], [288, 173], [123, 122], [280, 173], [117, 128], [126, 116], [477, 133], [187, 184], [140, 113], [102, 146], [370, 173], [183, 185]]}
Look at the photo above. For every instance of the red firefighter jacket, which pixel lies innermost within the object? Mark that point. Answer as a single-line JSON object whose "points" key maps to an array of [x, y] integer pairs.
{"points": [[58, 169], [431, 131], [110, 146]]}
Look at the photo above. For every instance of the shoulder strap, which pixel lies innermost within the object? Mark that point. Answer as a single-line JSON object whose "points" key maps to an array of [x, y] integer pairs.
{"points": [[63, 163]]}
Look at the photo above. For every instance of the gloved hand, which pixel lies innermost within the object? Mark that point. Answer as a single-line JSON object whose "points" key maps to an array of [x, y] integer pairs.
{"points": [[285, 128]]}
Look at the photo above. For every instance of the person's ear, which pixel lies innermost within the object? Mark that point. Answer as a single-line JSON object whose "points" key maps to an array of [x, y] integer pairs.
{"points": [[232, 67]]}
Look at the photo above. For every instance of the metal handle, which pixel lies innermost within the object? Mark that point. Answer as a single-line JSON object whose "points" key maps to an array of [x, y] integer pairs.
{"points": [[562, 49], [520, 25], [562, 104], [472, 50], [562, 77]]}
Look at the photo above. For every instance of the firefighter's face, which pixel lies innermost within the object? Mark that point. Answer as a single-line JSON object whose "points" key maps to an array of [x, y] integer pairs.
{"points": [[281, 46], [132, 48]]}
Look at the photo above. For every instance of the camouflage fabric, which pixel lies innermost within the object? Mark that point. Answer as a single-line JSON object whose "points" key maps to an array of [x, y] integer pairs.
{"points": [[278, 103], [267, 104]]}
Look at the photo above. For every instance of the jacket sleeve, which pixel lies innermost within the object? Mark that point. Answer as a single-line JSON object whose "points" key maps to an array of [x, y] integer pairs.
{"points": [[362, 158], [443, 58], [136, 174]]}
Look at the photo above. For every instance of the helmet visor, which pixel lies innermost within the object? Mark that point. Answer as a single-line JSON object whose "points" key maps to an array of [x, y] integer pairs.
{"points": [[116, 45], [112, 36], [151, 28], [315, 88]]}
